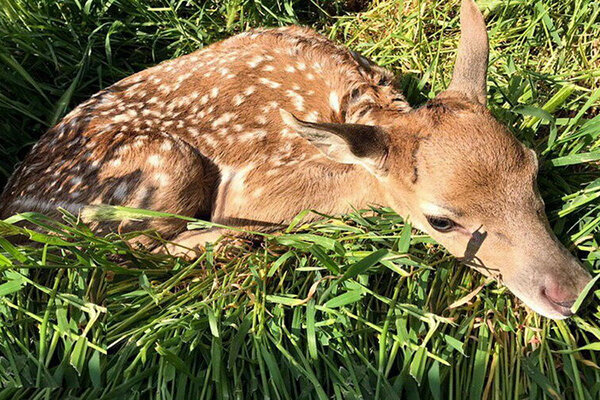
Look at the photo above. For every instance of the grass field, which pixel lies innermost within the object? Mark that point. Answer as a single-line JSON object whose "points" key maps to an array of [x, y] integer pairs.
{"points": [[353, 307]]}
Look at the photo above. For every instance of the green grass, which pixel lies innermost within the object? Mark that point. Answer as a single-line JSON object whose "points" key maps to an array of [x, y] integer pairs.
{"points": [[358, 306]]}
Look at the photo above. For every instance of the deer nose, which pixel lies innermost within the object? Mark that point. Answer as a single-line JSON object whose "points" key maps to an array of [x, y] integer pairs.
{"points": [[560, 297]]}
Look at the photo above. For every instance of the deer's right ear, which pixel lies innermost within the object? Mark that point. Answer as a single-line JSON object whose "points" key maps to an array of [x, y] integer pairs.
{"points": [[345, 143]]}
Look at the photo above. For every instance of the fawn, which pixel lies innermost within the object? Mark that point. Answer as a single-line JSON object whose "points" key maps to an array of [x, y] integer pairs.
{"points": [[252, 130]]}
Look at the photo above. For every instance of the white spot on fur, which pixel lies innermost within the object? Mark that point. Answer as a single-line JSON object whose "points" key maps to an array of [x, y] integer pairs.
{"points": [[162, 179], [223, 119], [297, 99], [223, 132], [334, 101], [214, 92], [269, 83], [209, 140], [249, 90], [238, 180], [255, 61], [238, 99], [258, 192], [255, 134], [95, 165], [142, 194], [313, 116], [120, 118], [154, 160]]}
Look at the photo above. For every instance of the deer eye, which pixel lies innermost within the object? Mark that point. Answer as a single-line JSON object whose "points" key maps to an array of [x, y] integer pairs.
{"points": [[441, 224]]}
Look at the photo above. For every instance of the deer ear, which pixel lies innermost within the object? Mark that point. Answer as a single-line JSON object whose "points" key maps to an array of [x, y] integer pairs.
{"points": [[345, 143], [470, 70]]}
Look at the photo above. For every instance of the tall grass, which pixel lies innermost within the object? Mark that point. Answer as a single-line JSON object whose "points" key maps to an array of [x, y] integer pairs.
{"points": [[353, 307]]}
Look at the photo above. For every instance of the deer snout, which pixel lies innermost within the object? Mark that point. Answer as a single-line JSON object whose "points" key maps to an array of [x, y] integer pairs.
{"points": [[560, 299], [561, 294]]}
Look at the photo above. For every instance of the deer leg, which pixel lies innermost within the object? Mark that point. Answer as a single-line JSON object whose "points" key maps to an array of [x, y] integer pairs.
{"points": [[189, 244]]}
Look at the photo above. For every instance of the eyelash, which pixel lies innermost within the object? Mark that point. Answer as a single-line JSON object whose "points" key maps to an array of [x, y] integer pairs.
{"points": [[433, 221]]}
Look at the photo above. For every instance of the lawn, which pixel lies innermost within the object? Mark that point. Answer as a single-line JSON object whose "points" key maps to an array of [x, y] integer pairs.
{"points": [[359, 306]]}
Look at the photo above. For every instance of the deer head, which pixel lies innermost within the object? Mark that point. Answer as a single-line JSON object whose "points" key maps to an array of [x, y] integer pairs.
{"points": [[462, 177]]}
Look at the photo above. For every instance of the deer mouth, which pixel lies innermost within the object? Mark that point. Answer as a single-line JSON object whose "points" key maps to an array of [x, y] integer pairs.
{"points": [[561, 307]]}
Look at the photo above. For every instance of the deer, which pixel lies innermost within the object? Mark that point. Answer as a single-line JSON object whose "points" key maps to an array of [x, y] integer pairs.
{"points": [[250, 131]]}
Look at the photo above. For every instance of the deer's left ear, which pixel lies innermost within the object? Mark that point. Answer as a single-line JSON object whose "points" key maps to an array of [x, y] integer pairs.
{"points": [[345, 143], [470, 70]]}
